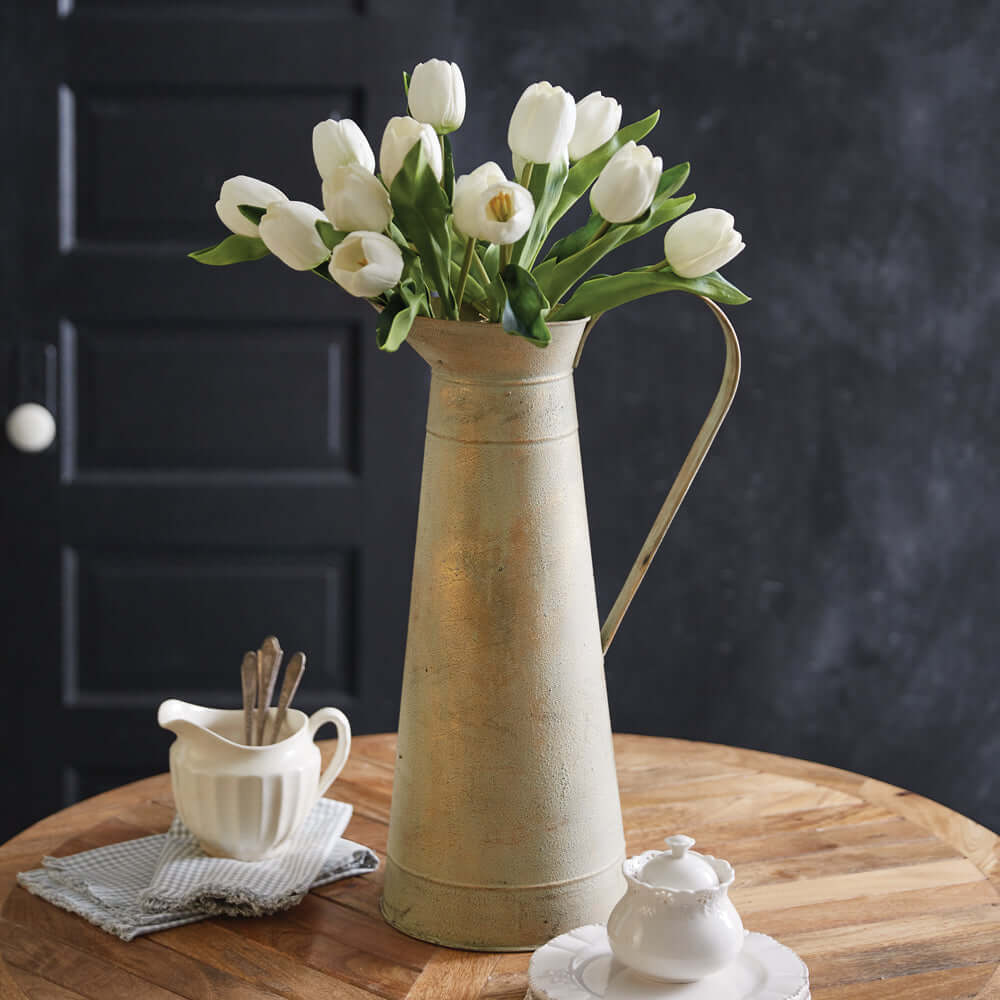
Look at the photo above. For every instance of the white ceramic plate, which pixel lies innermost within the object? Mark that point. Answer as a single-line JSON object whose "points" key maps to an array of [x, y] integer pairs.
{"points": [[579, 965]]}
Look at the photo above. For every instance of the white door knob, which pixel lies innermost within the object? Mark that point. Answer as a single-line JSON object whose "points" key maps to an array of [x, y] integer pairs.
{"points": [[30, 427]]}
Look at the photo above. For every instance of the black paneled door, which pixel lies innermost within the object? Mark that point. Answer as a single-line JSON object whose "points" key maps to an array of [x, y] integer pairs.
{"points": [[233, 455]]}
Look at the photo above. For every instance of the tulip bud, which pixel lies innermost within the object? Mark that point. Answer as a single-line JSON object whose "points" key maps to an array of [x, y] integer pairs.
{"points": [[244, 191], [627, 184], [468, 188], [366, 264], [437, 95], [354, 199], [401, 135], [288, 230], [335, 144], [501, 213], [597, 120], [542, 123], [700, 243]]}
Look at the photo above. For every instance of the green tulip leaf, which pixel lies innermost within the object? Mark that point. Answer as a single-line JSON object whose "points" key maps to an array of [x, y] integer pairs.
{"points": [[575, 241], [406, 85], [584, 172], [524, 305], [396, 319], [560, 279], [232, 250], [601, 294], [491, 259], [545, 184], [566, 265], [448, 178], [331, 237], [421, 212], [252, 213]]}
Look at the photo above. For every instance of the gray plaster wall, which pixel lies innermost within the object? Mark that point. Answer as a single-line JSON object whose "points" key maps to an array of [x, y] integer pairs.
{"points": [[829, 588]]}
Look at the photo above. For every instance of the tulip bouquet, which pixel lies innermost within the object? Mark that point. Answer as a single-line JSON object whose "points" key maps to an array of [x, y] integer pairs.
{"points": [[414, 240]]}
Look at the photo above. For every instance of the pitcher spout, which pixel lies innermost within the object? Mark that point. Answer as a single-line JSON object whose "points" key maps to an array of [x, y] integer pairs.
{"points": [[190, 722]]}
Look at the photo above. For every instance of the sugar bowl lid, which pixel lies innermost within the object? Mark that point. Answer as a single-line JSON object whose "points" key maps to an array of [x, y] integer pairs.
{"points": [[677, 869]]}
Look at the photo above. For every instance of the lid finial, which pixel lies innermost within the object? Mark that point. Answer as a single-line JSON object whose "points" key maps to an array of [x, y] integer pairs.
{"points": [[679, 844], [678, 870]]}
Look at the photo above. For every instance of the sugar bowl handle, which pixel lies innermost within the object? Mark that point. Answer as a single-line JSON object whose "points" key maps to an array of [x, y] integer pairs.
{"points": [[321, 718]]}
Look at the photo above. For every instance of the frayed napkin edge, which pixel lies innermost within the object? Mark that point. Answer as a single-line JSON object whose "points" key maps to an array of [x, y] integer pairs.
{"points": [[52, 888]]}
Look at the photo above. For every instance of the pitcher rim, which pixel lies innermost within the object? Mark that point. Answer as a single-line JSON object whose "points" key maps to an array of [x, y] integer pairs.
{"points": [[290, 714], [483, 326]]}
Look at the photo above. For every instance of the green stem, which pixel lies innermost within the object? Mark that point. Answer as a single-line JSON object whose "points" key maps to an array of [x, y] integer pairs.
{"points": [[506, 252], [605, 226], [487, 280], [526, 174], [470, 252], [583, 339]]}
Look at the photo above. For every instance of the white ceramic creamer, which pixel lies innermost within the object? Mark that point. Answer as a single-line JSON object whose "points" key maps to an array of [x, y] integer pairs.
{"points": [[243, 801]]}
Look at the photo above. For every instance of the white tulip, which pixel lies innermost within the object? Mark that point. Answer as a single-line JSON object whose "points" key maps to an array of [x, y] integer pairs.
{"points": [[401, 135], [335, 144], [244, 191], [437, 95], [627, 184], [501, 213], [700, 243], [468, 188], [542, 123], [597, 119], [354, 199], [288, 230], [366, 264]]}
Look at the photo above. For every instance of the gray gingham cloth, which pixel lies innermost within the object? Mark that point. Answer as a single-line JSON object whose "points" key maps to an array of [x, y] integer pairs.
{"points": [[153, 883]]}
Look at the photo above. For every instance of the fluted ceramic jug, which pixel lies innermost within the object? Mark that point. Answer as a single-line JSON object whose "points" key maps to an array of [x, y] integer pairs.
{"points": [[506, 827]]}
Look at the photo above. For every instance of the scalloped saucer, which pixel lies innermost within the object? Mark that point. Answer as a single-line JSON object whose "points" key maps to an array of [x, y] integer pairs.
{"points": [[579, 965]]}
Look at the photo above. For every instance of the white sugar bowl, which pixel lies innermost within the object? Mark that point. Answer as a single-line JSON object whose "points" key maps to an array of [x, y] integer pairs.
{"points": [[676, 922]]}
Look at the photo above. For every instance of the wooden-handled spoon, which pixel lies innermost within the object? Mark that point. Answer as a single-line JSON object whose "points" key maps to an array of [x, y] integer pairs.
{"points": [[269, 657], [248, 676], [293, 674]]}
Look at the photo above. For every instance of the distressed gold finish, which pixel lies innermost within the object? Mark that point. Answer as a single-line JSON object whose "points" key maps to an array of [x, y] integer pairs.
{"points": [[505, 827]]}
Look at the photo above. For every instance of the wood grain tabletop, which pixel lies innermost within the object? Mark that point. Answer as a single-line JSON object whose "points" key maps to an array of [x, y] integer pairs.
{"points": [[884, 894]]}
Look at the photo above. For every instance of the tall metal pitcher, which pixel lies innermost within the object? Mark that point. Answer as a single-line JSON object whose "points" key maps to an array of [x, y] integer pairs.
{"points": [[506, 827]]}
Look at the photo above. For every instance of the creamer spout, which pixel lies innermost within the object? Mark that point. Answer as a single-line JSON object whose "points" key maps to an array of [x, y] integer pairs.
{"points": [[187, 721]]}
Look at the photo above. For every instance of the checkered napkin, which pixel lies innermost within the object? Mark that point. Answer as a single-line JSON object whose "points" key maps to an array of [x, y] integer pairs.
{"points": [[166, 880]]}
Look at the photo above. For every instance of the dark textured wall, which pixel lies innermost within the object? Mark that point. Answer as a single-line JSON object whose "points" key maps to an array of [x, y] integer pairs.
{"points": [[829, 587]]}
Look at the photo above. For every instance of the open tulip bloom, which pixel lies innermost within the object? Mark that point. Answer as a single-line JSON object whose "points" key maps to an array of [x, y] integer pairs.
{"points": [[415, 241]]}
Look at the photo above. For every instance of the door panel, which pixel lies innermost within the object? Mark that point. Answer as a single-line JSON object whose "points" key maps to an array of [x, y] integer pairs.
{"points": [[264, 399], [234, 456]]}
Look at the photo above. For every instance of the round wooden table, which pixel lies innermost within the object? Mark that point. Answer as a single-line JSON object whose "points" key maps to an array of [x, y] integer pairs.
{"points": [[884, 894]]}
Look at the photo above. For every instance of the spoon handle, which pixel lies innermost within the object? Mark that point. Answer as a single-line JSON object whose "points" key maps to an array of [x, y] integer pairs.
{"points": [[270, 660], [248, 676], [293, 674]]}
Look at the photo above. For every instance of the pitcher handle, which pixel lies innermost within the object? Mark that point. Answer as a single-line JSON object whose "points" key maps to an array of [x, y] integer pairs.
{"points": [[720, 407], [320, 718]]}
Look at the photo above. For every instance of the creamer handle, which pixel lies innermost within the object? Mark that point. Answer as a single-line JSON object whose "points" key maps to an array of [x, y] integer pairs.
{"points": [[723, 400], [320, 718]]}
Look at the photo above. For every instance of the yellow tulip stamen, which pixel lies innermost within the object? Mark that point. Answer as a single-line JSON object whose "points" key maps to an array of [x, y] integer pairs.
{"points": [[501, 206]]}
